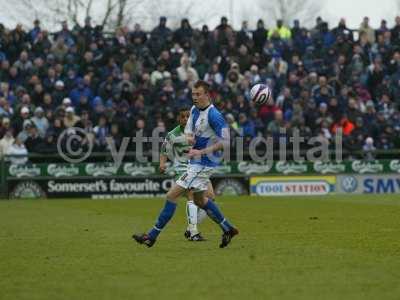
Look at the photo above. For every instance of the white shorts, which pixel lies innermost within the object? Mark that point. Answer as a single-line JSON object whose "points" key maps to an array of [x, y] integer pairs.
{"points": [[195, 178]]}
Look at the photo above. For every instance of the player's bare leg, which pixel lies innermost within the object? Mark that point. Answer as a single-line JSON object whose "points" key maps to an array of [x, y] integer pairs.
{"points": [[215, 214], [175, 192], [165, 215], [201, 213]]}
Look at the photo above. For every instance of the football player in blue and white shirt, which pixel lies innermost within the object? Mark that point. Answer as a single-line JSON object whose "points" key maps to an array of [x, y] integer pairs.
{"points": [[207, 131]]}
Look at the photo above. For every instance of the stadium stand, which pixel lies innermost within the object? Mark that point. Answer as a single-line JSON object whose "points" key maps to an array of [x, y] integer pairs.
{"points": [[115, 85]]}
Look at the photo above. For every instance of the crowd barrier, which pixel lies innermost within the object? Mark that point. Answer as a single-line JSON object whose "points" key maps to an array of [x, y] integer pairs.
{"points": [[107, 180]]}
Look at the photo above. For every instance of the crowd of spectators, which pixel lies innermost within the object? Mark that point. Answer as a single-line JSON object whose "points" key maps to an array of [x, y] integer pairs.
{"points": [[116, 85]]}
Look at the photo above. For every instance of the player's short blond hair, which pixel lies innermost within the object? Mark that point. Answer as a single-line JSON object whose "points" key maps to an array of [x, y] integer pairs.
{"points": [[202, 84]]}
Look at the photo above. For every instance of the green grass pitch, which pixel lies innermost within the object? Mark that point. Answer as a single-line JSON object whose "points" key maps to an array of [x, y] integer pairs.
{"points": [[336, 247]]}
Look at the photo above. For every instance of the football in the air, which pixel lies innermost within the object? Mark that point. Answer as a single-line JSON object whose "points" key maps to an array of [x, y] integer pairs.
{"points": [[261, 94]]}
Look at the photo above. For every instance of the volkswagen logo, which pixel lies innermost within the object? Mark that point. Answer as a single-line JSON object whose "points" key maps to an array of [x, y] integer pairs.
{"points": [[349, 184]]}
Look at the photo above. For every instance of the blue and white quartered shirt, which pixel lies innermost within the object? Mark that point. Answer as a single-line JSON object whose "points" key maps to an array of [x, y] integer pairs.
{"points": [[208, 127]]}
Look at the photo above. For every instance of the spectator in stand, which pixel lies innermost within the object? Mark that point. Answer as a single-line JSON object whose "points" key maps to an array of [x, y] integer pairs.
{"points": [[5, 125], [17, 152], [214, 77], [5, 108], [81, 90], [277, 124], [343, 30], [59, 92], [70, 119], [246, 128], [34, 32], [24, 133], [101, 131], [115, 135], [244, 35], [19, 120], [160, 35], [40, 121], [66, 34], [223, 33], [138, 36], [185, 69], [160, 74], [323, 116], [23, 65], [132, 66], [6, 142], [6, 92], [280, 31], [369, 149], [59, 49], [345, 125], [184, 33], [368, 30], [383, 28], [33, 142]]}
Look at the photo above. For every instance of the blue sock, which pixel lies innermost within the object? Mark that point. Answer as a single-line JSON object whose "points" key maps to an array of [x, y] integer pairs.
{"points": [[165, 215], [215, 214]]}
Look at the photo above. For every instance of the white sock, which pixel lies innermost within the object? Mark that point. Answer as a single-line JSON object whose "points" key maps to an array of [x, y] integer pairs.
{"points": [[191, 213], [201, 215]]}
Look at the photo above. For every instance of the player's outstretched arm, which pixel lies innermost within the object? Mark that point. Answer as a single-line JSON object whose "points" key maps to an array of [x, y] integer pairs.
{"points": [[165, 148], [163, 163]]}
